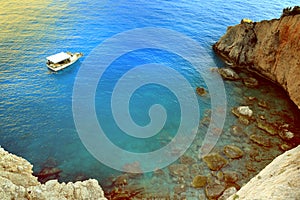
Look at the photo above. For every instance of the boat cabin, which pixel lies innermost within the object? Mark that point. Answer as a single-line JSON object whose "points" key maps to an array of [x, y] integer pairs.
{"points": [[59, 58]]}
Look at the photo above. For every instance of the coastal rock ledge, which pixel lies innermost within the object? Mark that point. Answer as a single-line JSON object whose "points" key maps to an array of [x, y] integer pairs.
{"points": [[17, 182], [277, 181], [270, 48]]}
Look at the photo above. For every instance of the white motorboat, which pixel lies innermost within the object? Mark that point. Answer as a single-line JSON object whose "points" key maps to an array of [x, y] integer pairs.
{"points": [[62, 60]]}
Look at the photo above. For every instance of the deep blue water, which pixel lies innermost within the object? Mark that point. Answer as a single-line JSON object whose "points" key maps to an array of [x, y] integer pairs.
{"points": [[36, 119]]}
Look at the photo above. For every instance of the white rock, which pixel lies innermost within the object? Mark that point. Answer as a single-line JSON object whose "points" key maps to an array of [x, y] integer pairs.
{"points": [[245, 110], [17, 182], [279, 180], [227, 193]]}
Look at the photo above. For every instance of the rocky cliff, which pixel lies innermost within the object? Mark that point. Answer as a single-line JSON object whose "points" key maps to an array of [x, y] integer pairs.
{"points": [[17, 182], [279, 180], [271, 48]]}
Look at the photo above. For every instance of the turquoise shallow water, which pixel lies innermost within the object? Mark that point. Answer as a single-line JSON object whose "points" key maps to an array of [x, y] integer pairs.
{"points": [[36, 119]]}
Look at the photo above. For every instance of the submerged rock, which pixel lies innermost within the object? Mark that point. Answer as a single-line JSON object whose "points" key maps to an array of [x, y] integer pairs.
{"points": [[121, 180], [260, 140], [286, 135], [134, 169], [233, 152], [231, 177], [245, 110], [242, 111], [184, 159], [228, 74], [201, 91], [179, 170], [214, 190], [268, 127], [250, 82], [263, 104], [237, 130], [48, 173], [215, 161], [180, 188], [199, 181], [286, 147]]}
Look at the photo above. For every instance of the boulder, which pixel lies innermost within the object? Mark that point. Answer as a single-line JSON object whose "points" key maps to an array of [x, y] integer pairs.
{"points": [[231, 177], [263, 104], [214, 190], [260, 140], [286, 135], [237, 130], [214, 161], [201, 91], [179, 170], [48, 173], [250, 82], [199, 181], [285, 147], [184, 159], [228, 74], [245, 110], [233, 152], [268, 127]]}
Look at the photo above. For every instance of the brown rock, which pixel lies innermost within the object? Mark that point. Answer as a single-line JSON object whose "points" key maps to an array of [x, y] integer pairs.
{"points": [[215, 161], [196, 169], [263, 104], [133, 168], [268, 127], [270, 47], [178, 189], [237, 130], [199, 181], [233, 152], [258, 139], [231, 177], [286, 147], [181, 170], [201, 91], [121, 180], [187, 160], [250, 82], [213, 191], [286, 135], [228, 74]]}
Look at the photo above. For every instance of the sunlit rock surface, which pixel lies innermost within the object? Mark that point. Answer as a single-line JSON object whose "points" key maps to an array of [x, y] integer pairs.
{"points": [[279, 180], [17, 182]]}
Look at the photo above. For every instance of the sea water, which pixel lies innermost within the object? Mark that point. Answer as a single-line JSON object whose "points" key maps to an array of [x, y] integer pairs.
{"points": [[36, 116]]}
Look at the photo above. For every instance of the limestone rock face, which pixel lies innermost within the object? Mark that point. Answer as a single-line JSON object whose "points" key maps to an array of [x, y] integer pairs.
{"points": [[17, 182], [270, 47], [279, 180]]}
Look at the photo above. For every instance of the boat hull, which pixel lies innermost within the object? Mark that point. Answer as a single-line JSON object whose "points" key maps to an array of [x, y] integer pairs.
{"points": [[58, 67]]}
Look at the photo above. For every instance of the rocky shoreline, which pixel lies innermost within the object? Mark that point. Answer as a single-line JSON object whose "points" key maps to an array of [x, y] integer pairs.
{"points": [[17, 182], [271, 49]]}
